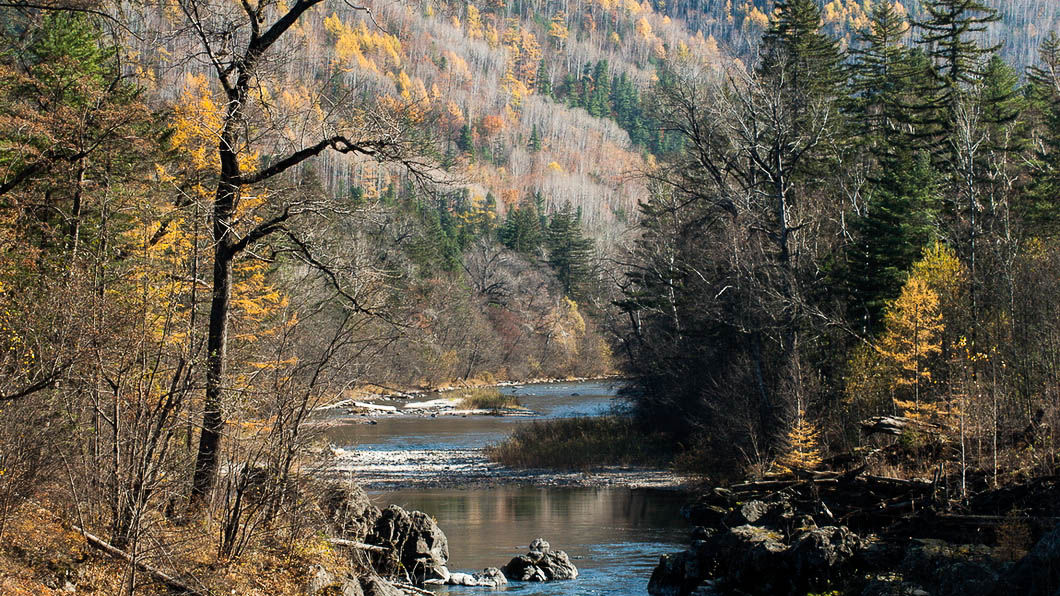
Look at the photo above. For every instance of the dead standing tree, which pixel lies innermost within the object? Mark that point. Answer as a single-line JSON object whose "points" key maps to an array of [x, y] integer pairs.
{"points": [[235, 43]]}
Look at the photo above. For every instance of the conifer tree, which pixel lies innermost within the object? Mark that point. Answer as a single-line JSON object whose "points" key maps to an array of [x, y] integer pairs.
{"points": [[803, 452], [914, 337], [804, 68], [900, 221], [795, 45], [521, 231], [881, 76], [544, 81], [464, 141], [949, 35], [535, 140], [1041, 205], [569, 251]]}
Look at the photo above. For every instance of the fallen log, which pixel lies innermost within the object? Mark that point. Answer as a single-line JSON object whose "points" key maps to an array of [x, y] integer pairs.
{"points": [[158, 575], [357, 545], [894, 425], [412, 589], [899, 482]]}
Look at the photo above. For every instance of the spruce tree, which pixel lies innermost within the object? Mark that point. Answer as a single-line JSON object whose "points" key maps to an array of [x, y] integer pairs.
{"points": [[948, 34], [902, 207], [544, 81], [535, 140], [521, 231], [464, 141], [803, 68], [881, 76], [1041, 204], [569, 251], [795, 47]]}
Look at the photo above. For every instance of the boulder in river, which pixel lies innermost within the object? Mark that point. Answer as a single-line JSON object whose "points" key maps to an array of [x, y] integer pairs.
{"points": [[416, 540], [540, 564]]}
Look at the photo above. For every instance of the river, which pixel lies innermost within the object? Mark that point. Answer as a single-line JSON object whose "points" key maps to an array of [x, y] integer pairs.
{"points": [[613, 533]]}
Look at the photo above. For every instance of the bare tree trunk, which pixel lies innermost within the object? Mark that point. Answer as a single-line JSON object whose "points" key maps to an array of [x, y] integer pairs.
{"points": [[216, 341]]}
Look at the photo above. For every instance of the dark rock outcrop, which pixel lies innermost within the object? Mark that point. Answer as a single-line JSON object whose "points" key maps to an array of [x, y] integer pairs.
{"points": [[1038, 573], [787, 542], [413, 542], [349, 512], [540, 564], [416, 541], [375, 586], [758, 560]]}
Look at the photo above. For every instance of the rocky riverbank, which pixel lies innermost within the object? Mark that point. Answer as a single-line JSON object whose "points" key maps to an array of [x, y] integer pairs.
{"points": [[809, 537]]}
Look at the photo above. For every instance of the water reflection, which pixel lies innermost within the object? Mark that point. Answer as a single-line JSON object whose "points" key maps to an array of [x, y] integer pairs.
{"points": [[615, 535]]}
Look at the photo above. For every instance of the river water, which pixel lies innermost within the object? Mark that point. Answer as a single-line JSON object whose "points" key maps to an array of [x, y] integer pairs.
{"points": [[614, 534]]}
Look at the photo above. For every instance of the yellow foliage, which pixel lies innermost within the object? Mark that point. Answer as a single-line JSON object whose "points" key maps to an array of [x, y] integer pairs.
{"points": [[804, 453], [474, 22], [354, 45], [758, 18], [197, 123], [557, 28], [643, 28], [914, 328], [554, 166], [941, 270]]}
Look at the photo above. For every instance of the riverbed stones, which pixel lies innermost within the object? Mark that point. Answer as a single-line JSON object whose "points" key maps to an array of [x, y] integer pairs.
{"points": [[490, 577], [540, 565]]}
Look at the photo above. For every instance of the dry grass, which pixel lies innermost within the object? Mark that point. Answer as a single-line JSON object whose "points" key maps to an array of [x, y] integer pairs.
{"points": [[39, 554], [581, 443], [487, 398]]}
